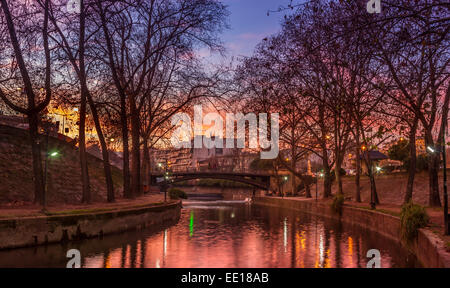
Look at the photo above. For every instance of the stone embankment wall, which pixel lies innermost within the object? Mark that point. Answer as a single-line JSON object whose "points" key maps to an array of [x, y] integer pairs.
{"points": [[32, 231], [63, 177], [428, 247]]}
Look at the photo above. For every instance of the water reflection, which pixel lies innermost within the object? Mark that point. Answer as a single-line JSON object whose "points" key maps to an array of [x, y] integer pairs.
{"points": [[226, 235]]}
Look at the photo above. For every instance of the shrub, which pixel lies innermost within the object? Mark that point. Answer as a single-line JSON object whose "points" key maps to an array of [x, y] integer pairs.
{"points": [[337, 204], [175, 193], [413, 217]]}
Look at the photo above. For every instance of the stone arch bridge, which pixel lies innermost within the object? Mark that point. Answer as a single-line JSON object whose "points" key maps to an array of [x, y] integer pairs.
{"points": [[257, 180]]}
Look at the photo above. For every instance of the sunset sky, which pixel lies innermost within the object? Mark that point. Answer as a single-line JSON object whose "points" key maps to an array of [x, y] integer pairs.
{"points": [[249, 24]]}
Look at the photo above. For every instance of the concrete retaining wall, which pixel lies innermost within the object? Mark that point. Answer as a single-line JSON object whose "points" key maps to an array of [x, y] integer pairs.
{"points": [[428, 247], [32, 231]]}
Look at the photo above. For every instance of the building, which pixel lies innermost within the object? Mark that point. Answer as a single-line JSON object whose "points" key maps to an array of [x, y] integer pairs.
{"points": [[203, 159]]}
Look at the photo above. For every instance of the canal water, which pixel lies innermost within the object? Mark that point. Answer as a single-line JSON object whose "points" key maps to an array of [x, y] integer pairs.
{"points": [[226, 234]]}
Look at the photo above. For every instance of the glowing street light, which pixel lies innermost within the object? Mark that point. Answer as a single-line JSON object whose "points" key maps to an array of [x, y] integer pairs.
{"points": [[378, 169], [430, 149], [54, 154]]}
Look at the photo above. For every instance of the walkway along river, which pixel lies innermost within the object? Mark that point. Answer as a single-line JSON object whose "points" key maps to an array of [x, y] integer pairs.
{"points": [[226, 234]]}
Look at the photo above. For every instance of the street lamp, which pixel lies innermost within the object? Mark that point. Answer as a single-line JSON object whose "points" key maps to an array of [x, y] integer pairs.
{"points": [[166, 177], [48, 156]]}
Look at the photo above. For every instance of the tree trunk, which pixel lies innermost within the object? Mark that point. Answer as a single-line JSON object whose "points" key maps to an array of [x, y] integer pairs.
{"points": [[307, 190], [412, 162], [86, 190], [433, 169], [145, 168], [85, 182], [293, 180], [126, 149], [39, 188], [327, 178], [337, 172], [104, 147], [135, 151], [358, 168]]}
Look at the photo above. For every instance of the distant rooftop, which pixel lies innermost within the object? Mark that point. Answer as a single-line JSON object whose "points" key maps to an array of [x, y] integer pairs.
{"points": [[375, 155]]}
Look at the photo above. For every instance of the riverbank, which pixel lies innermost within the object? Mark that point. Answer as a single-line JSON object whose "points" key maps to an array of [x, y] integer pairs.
{"points": [[27, 226], [428, 247]]}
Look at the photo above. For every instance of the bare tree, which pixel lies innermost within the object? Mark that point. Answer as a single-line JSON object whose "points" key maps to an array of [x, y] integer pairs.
{"points": [[138, 41], [28, 29]]}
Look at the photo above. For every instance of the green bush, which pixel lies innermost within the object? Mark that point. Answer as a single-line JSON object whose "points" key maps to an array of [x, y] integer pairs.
{"points": [[337, 204], [175, 194], [413, 217]]}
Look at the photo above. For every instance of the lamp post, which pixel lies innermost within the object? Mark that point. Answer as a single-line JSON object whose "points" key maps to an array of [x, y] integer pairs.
{"points": [[166, 177], [44, 196], [47, 161], [286, 179]]}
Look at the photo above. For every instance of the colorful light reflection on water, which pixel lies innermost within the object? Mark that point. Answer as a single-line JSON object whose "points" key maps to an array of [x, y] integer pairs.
{"points": [[226, 235]]}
